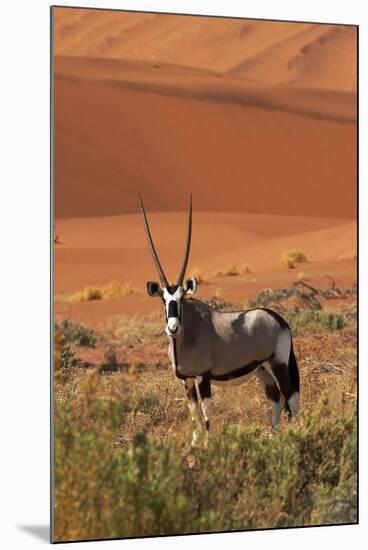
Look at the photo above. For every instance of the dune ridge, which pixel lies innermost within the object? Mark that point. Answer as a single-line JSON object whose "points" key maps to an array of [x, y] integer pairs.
{"points": [[321, 56], [200, 84], [96, 250]]}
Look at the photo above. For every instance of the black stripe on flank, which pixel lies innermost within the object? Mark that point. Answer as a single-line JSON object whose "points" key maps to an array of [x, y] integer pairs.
{"points": [[247, 369]]}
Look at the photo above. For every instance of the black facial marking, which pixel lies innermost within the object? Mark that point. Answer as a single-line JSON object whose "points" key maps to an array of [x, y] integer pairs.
{"points": [[172, 289], [173, 309]]}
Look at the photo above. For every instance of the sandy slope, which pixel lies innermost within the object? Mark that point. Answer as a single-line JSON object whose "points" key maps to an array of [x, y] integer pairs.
{"points": [[320, 56], [122, 128], [97, 250]]}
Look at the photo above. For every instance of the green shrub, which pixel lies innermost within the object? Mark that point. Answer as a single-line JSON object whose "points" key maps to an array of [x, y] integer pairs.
{"points": [[311, 319], [67, 358], [304, 474], [75, 333]]}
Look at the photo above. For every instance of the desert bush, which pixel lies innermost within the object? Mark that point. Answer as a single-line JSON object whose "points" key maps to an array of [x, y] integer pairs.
{"points": [[314, 320], [290, 258], [231, 271], [305, 474], [64, 357], [76, 333], [68, 359], [110, 290]]}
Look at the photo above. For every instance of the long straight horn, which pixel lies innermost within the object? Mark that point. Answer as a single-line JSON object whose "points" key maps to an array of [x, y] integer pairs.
{"points": [[189, 238], [152, 246]]}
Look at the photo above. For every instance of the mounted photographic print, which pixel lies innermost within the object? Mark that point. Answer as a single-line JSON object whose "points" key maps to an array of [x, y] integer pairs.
{"points": [[204, 178]]}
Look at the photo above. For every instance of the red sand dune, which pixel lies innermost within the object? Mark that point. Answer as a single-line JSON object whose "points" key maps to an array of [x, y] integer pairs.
{"points": [[319, 56], [248, 149]]}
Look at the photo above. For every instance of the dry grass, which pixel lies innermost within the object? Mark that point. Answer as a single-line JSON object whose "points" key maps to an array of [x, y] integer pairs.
{"points": [[232, 271], [115, 429], [105, 292], [290, 258], [245, 404]]}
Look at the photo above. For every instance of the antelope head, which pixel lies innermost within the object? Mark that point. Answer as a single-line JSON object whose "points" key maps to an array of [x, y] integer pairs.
{"points": [[171, 295]]}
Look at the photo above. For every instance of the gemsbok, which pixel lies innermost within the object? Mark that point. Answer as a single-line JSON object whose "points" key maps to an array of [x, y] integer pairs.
{"points": [[225, 348]]}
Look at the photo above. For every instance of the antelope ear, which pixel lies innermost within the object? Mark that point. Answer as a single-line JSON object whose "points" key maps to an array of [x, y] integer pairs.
{"points": [[153, 289], [190, 285]]}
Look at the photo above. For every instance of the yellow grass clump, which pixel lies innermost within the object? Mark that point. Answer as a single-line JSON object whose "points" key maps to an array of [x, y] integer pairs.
{"points": [[290, 258], [232, 271], [110, 290]]}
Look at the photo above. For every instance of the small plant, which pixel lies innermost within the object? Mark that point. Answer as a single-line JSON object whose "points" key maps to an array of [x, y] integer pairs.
{"points": [[110, 290], [67, 358], [290, 258], [232, 271], [79, 334], [64, 357]]}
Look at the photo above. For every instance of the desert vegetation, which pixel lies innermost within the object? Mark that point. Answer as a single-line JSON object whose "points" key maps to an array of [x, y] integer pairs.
{"points": [[123, 465], [290, 258], [105, 292]]}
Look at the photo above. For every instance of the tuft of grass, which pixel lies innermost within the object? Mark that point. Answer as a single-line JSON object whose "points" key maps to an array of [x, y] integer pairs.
{"points": [[290, 258], [76, 333], [314, 320], [110, 290], [232, 271]]}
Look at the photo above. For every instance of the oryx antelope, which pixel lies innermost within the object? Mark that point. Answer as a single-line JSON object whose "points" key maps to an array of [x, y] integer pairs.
{"points": [[224, 348]]}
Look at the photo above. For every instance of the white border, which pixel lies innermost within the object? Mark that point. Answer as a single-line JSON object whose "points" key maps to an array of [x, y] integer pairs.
{"points": [[24, 399]]}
